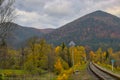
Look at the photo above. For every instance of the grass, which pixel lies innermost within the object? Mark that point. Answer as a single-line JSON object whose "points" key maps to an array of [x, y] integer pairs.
{"points": [[19, 72], [48, 76], [82, 74], [9, 74], [109, 67]]}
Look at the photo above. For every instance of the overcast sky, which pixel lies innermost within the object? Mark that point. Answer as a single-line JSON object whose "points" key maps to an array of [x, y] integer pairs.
{"points": [[55, 13]]}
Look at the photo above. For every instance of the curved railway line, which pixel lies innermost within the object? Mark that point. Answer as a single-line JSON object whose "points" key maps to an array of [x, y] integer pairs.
{"points": [[101, 74]]}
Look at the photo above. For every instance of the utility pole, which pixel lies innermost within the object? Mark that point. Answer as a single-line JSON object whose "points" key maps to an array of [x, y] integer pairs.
{"points": [[72, 44]]}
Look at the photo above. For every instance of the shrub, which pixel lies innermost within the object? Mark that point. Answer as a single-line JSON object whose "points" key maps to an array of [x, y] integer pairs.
{"points": [[63, 77]]}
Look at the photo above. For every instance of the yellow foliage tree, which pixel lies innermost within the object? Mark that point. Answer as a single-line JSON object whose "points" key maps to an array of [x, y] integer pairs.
{"points": [[76, 56], [57, 49], [92, 56], [58, 66], [63, 77], [99, 55]]}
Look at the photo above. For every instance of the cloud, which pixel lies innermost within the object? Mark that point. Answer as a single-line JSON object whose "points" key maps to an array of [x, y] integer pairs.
{"points": [[30, 5], [55, 13], [33, 19], [114, 10], [58, 8], [28, 16]]}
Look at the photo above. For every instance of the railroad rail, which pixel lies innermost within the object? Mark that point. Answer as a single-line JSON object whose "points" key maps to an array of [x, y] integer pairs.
{"points": [[102, 74]]}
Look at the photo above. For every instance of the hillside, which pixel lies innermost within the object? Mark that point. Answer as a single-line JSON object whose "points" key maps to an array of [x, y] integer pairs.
{"points": [[97, 29], [21, 34], [46, 31]]}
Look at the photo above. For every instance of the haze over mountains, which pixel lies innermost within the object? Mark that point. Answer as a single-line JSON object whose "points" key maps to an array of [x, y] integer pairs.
{"points": [[97, 29], [21, 34]]}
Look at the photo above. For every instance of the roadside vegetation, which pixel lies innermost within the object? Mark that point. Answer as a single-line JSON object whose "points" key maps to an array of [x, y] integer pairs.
{"points": [[40, 60], [106, 59]]}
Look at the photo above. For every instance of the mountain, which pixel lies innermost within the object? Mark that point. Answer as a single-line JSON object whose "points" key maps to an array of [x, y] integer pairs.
{"points": [[21, 34], [97, 29], [46, 31]]}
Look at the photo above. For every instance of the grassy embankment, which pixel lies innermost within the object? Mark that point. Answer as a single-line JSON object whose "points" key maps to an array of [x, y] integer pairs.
{"points": [[22, 74], [109, 67], [71, 74]]}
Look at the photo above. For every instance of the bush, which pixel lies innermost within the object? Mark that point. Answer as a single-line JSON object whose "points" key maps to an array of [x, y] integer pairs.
{"points": [[63, 77], [1, 77], [8, 73], [65, 65]]}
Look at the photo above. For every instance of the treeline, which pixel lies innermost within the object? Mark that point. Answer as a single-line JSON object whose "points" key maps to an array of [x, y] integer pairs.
{"points": [[106, 57], [39, 57]]}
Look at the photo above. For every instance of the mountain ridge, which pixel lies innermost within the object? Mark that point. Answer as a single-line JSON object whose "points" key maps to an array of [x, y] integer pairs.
{"points": [[21, 34], [96, 29], [98, 26]]}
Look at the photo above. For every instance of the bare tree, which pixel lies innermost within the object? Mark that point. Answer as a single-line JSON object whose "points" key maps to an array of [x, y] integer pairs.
{"points": [[1, 1], [7, 14]]}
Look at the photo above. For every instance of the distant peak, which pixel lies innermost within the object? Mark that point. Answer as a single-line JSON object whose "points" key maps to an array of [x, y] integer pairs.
{"points": [[100, 13]]}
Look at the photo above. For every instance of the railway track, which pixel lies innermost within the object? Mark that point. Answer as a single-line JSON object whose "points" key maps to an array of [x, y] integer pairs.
{"points": [[101, 74]]}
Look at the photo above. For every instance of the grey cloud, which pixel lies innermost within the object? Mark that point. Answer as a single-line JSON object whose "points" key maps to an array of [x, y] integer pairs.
{"points": [[55, 13]]}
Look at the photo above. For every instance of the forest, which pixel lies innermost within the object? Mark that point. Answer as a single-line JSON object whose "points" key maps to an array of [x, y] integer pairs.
{"points": [[39, 58]]}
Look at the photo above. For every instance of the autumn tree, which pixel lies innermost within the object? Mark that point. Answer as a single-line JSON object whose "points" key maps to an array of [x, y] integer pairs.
{"points": [[64, 55], [58, 66], [109, 54], [92, 56], [99, 55], [13, 59], [58, 50], [9, 58], [78, 54], [3, 54], [51, 57], [82, 51], [40, 56], [63, 52], [116, 58]]}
